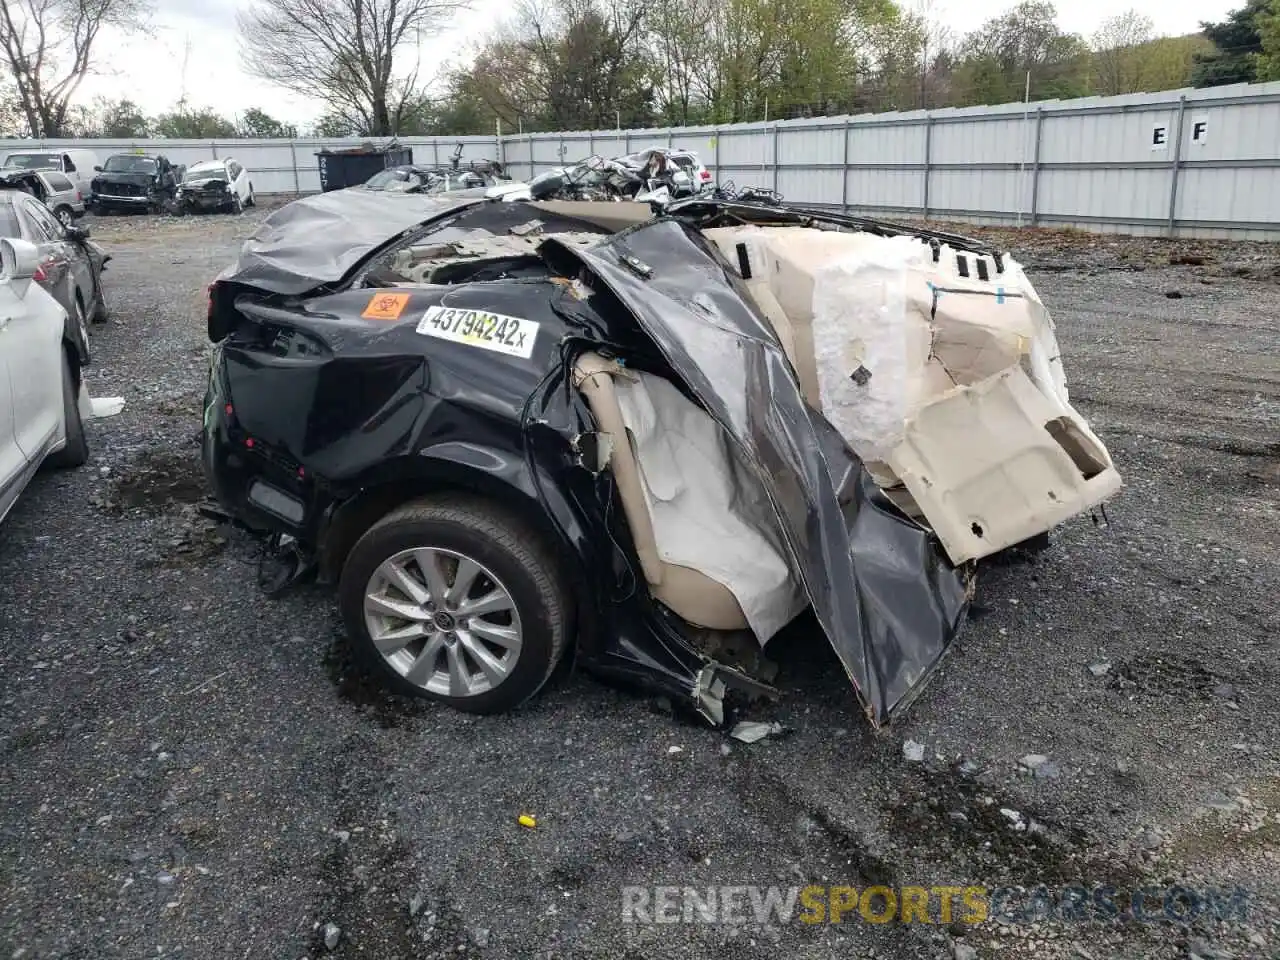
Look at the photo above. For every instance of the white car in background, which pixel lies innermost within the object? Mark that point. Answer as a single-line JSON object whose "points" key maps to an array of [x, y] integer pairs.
{"points": [[41, 420], [215, 185]]}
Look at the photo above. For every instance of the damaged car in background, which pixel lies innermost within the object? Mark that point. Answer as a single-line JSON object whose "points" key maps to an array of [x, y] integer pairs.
{"points": [[649, 176], [508, 430], [133, 182], [222, 185]]}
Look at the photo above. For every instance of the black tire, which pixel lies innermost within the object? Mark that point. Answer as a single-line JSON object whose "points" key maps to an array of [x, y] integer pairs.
{"points": [[251, 201], [101, 313], [79, 329], [499, 542], [76, 451]]}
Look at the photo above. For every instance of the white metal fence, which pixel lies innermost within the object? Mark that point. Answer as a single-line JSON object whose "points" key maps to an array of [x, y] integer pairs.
{"points": [[1187, 162]]}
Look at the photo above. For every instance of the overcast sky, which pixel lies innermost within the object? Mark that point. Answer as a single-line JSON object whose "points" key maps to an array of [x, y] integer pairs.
{"points": [[202, 34]]}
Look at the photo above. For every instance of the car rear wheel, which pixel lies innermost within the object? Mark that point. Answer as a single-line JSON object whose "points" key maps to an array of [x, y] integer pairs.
{"points": [[76, 450], [458, 601], [82, 326], [101, 313], [65, 216]]}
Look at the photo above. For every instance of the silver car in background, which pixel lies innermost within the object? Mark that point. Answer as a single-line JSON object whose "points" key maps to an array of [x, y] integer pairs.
{"points": [[54, 189]]}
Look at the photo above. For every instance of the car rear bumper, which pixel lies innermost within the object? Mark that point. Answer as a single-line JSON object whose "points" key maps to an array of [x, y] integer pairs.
{"points": [[259, 486]]}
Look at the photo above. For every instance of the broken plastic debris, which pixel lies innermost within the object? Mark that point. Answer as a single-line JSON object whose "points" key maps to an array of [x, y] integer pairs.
{"points": [[750, 731], [1100, 669], [675, 749], [527, 820], [913, 751], [101, 407]]}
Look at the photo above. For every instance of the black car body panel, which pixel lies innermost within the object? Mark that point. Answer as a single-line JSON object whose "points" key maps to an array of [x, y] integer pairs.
{"points": [[318, 239], [328, 408], [135, 189]]}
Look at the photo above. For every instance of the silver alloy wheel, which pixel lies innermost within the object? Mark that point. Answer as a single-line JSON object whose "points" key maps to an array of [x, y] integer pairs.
{"points": [[65, 217], [443, 622]]}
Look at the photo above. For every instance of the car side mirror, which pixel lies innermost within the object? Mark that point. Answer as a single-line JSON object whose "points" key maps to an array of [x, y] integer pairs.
{"points": [[19, 259], [97, 168]]}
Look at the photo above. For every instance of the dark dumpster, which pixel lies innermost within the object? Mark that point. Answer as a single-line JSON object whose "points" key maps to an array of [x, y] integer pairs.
{"points": [[347, 168]]}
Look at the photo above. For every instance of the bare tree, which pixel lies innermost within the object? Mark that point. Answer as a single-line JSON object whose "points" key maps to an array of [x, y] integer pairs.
{"points": [[1117, 57], [360, 55], [48, 46]]}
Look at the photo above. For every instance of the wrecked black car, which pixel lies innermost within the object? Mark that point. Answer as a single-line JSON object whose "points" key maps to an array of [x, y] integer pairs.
{"points": [[508, 430], [134, 182]]}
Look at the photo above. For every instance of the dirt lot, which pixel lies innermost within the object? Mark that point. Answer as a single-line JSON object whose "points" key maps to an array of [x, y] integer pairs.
{"points": [[188, 769]]}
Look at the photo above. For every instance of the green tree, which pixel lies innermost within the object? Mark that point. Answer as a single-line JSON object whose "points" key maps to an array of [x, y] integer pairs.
{"points": [[1268, 24], [185, 123], [997, 58], [257, 124], [1119, 53], [120, 119], [49, 47], [1238, 46], [332, 125]]}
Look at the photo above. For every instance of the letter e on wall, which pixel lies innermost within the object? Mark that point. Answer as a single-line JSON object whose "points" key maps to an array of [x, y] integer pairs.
{"points": [[1159, 136]]}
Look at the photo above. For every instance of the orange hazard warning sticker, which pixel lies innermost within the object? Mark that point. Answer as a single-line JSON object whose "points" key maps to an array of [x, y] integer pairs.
{"points": [[386, 306]]}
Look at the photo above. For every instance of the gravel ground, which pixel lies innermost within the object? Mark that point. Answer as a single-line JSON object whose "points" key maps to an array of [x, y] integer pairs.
{"points": [[189, 769]]}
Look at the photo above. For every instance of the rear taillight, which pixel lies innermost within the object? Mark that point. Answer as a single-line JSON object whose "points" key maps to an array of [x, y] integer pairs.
{"points": [[79, 196], [41, 272], [705, 175]]}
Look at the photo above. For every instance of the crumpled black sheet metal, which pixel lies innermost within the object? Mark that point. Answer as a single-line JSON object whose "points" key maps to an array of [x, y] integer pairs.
{"points": [[885, 595], [317, 239]]}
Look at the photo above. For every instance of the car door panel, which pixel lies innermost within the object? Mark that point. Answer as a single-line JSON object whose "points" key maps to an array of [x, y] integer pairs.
{"points": [[13, 462], [33, 354], [65, 263]]}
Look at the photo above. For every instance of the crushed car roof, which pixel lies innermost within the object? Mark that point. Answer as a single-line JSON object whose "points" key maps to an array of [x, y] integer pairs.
{"points": [[318, 239]]}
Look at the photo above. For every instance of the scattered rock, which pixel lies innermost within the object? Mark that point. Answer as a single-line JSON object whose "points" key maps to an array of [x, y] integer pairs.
{"points": [[332, 934], [1150, 840], [1100, 669], [913, 751], [1221, 802], [1015, 819], [165, 878], [1040, 766], [415, 904], [962, 951], [1198, 949], [1226, 691]]}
